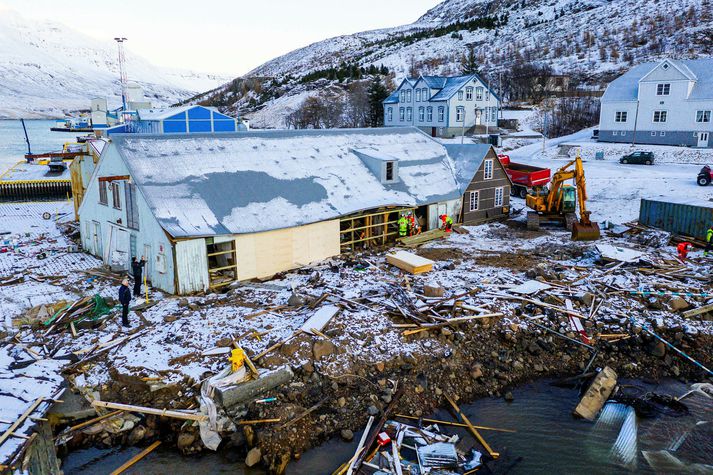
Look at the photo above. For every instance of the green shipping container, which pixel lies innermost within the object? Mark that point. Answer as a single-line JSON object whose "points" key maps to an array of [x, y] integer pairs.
{"points": [[688, 219]]}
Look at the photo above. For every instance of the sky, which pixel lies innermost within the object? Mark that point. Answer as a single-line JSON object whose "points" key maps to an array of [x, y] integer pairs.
{"points": [[221, 36]]}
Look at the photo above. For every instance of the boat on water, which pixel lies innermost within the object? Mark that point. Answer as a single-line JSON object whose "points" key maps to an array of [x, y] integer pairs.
{"points": [[73, 124]]}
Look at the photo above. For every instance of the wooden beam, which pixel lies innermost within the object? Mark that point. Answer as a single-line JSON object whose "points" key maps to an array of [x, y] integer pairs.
{"points": [[258, 421], [452, 321], [136, 458], [149, 410], [94, 420], [113, 178], [10, 430], [472, 428], [454, 424]]}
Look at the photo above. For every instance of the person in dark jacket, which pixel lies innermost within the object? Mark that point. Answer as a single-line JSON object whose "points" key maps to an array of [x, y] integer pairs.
{"points": [[137, 268], [124, 299]]}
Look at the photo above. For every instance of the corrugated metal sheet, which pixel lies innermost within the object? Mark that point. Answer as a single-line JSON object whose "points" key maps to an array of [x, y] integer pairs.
{"points": [[680, 218], [192, 266]]}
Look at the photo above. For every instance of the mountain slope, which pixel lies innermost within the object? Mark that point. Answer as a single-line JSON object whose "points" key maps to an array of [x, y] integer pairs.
{"points": [[48, 69], [592, 40]]}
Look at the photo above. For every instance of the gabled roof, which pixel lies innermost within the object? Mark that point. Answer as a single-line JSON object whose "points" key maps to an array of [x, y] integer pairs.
{"points": [[467, 159], [626, 86], [393, 98], [434, 82], [234, 183], [162, 113], [447, 86]]}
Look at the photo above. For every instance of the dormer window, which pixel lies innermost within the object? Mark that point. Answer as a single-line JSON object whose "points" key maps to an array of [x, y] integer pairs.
{"points": [[390, 172], [663, 89]]}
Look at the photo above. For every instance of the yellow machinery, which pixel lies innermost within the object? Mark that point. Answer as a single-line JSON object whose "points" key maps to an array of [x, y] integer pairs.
{"points": [[559, 203]]}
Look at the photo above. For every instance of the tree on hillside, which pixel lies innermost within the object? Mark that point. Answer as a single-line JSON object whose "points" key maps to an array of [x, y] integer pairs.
{"points": [[377, 92], [469, 62]]}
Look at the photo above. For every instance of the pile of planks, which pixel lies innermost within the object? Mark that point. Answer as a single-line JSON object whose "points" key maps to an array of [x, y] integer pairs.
{"points": [[87, 308]]}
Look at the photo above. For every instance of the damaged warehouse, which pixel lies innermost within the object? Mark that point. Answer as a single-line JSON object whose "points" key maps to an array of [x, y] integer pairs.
{"points": [[207, 210]]}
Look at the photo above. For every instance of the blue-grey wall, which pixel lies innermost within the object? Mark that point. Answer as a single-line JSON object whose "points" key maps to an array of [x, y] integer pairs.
{"points": [[689, 139]]}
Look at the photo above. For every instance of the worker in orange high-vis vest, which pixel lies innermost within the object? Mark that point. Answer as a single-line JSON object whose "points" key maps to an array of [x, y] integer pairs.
{"points": [[446, 222], [683, 249]]}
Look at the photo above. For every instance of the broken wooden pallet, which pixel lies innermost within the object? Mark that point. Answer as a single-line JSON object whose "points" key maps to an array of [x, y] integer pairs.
{"points": [[410, 262]]}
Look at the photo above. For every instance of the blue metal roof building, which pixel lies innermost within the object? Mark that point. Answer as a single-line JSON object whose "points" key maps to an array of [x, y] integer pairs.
{"points": [[177, 120]]}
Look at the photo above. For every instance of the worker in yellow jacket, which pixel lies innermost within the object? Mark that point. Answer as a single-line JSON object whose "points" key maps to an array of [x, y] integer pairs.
{"points": [[709, 241], [403, 226]]}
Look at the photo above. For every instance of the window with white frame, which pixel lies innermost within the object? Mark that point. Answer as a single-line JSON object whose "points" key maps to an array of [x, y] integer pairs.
{"points": [[103, 198], [429, 114], [653, 133], [409, 114], [421, 114], [487, 114], [663, 133], [460, 95], [460, 114], [390, 114], [615, 132], [424, 94], [660, 116], [487, 95], [623, 133], [408, 95], [115, 197], [469, 93], [402, 111], [441, 114], [488, 170], [479, 93], [473, 201], [703, 116], [620, 116], [418, 95], [403, 96], [499, 196], [663, 89]]}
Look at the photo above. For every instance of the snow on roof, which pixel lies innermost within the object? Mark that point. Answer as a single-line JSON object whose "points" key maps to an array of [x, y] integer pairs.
{"points": [[451, 86], [467, 159], [393, 98], [163, 113], [626, 86], [203, 185], [435, 82]]}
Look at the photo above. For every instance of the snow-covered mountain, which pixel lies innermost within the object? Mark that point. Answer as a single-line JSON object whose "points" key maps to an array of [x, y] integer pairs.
{"points": [[592, 40], [48, 69]]}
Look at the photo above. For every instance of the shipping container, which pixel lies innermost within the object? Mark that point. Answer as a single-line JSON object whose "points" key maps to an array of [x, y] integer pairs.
{"points": [[691, 218]]}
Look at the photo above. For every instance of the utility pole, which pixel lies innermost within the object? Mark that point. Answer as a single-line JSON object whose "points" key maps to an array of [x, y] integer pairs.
{"points": [[544, 128], [636, 120], [462, 134], [123, 79]]}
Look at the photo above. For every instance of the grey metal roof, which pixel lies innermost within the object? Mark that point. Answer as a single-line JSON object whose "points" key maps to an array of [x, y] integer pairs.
{"points": [[435, 82], [467, 159], [626, 86], [235, 183], [393, 98]]}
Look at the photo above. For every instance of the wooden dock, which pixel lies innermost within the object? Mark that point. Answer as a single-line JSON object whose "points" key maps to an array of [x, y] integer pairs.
{"points": [[35, 182]]}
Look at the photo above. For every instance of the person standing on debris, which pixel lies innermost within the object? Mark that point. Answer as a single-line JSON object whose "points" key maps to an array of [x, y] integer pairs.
{"points": [[403, 226], [137, 268], [709, 241], [683, 249], [124, 299], [447, 222]]}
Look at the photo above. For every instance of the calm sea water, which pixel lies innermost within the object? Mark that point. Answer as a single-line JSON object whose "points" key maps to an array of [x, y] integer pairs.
{"points": [[548, 440], [12, 140]]}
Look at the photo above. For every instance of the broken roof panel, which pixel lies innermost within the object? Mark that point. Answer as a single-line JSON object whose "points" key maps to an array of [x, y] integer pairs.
{"points": [[204, 185]]}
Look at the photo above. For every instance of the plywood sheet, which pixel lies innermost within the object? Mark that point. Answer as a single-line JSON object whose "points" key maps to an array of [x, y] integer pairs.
{"points": [[320, 318], [410, 262], [192, 266]]}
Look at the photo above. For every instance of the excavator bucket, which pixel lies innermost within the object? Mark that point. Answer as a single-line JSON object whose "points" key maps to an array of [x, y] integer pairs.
{"points": [[585, 232]]}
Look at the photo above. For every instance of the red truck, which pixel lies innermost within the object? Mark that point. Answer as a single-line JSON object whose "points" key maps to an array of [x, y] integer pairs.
{"points": [[524, 177]]}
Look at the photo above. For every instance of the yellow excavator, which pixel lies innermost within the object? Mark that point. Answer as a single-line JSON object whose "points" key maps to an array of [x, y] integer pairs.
{"points": [[559, 203]]}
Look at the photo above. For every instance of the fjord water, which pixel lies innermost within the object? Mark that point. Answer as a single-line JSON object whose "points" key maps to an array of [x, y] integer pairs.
{"points": [[12, 140], [548, 440]]}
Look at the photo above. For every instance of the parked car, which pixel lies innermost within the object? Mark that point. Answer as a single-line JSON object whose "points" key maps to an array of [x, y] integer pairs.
{"points": [[638, 158], [705, 176]]}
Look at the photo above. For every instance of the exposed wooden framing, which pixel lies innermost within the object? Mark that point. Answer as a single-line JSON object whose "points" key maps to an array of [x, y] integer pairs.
{"points": [[370, 228], [136, 458], [215, 281], [219, 253], [95, 420], [10, 430], [217, 269]]}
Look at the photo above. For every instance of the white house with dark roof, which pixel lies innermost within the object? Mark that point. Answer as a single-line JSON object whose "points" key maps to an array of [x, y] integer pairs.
{"points": [[209, 209], [442, 106], [664, 103]]}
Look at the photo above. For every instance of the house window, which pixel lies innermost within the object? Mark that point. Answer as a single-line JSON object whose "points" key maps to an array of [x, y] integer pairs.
{"points": [[421, 114], [389, 171], [429, 114], [488, 169], [662, 133], [663, 89], [408, 95], [401, 114], [469, 93], [653, 134], [390, 114], [103, 198], [487, 95], [460, 114], [487, 114], [703, 116], [660, 116], [473, 201], [623, 133], [441, 114], [418, 95], [424, 94], [498, 196], [460, 95], [115, 198], [615, 132], [620, 116], [132, 207], [409, 114], [478, 93], [403, 96]]}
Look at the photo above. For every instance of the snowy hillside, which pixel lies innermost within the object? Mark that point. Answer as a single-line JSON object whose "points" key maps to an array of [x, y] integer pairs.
{"points": [[47, 69], [592, 40]]}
